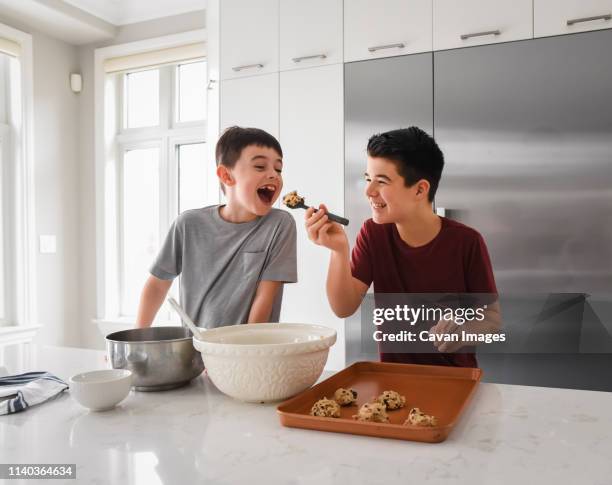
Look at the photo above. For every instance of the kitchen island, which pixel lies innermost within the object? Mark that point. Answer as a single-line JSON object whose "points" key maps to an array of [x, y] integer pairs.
{"points": [[508, 435]]}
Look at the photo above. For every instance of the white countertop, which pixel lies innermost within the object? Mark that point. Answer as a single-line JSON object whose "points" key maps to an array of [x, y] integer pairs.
{"points": [[508, 435]]}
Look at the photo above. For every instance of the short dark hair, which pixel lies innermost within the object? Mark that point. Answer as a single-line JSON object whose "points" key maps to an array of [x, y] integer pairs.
{"points": [[416, 155], [235, 139]]}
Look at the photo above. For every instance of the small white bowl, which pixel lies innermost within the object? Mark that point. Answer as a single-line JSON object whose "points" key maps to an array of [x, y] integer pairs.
{"points": [[101, 390], [263, 362]]}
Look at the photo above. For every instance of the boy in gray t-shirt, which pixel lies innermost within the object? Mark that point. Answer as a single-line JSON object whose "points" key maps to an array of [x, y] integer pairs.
{"points": [[233, 259]]}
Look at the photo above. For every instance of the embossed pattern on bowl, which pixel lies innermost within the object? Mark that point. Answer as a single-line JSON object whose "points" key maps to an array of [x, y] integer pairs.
{"points": [[265, 362]]}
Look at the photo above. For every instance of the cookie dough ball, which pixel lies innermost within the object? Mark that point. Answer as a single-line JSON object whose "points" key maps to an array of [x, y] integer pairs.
{"points": [[417, 417], [345, 397], [372, 411], [292, 199], [325, 408], [392, 400]]}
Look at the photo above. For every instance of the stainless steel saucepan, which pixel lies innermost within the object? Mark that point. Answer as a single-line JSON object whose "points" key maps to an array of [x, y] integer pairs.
{"points": [[160, 358]]}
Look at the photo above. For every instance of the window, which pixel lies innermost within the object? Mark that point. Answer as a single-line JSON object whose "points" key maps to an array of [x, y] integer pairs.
{"points": [[7, 222], [17, 293], [158, 125], [4, 226], [192, 176], [140, 222], [191, 79], [7, 200], [142, 98]]}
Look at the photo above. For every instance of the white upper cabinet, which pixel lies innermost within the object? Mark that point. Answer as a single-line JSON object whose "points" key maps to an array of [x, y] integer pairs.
{"points": [[312, 135], [554, 17], [386, 28], [250, 102], [310, 33], [474, 22], [248, 37]]}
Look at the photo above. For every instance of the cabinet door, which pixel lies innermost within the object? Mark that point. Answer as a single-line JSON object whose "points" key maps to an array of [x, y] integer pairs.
{"points": [[311, 115], [476, 22], [554, 17], [249, 37], [250, 101], [310, 33], [386, 28]]}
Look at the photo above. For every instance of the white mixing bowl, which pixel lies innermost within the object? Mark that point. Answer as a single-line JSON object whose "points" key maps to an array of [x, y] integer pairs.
{"points": [[262, 362], [100, 390]]}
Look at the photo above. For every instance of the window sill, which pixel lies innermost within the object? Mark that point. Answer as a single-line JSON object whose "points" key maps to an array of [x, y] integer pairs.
{"points": [[14, 334]]}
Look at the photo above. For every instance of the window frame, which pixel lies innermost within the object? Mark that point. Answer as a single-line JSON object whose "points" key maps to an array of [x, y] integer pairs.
{"points": [[7, 297], [18, 147], [109, 160], [165, 137]]}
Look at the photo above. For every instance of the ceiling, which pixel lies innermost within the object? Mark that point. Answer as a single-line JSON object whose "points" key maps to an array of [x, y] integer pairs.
{"points": [[121, 12], [81, 22]]}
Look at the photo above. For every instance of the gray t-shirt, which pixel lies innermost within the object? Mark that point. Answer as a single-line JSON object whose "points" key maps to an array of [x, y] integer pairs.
{"points": [[221, 262]]}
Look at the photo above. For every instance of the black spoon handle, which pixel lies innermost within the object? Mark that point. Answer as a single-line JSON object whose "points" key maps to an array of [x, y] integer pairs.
{"points": [[330, 216], [338, 219]]}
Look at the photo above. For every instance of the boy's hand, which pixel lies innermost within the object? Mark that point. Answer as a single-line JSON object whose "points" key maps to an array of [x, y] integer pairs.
{"points": [[446, 327], [323, 232], [491, 324]]}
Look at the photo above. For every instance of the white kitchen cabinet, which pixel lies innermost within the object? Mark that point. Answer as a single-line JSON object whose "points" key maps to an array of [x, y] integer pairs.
{"points": [[250, 101], [310, 33], [554, 17], [311, 121], [476, 22], [248, 37], [386, 28]]}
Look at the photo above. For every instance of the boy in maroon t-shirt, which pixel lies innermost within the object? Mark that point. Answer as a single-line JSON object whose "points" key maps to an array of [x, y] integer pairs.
{"points": [[406, 247]]}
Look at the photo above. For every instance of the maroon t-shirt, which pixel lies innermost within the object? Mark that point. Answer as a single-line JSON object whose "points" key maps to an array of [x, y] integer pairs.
{"points": [[455, 261]]}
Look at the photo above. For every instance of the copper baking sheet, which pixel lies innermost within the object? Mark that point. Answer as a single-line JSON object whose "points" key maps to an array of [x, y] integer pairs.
{"points": [[438, 390]]}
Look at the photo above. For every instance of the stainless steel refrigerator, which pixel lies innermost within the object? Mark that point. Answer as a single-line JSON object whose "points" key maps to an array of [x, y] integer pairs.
{"points": [[526, 130]]}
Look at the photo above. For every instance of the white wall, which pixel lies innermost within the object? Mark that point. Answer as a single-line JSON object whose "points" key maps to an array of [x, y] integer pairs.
{"points": [[56, 169], [89, 336]]}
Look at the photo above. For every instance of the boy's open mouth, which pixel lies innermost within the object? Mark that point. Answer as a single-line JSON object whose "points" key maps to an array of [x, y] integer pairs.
{"points": [[266, 193], [378, 205]]}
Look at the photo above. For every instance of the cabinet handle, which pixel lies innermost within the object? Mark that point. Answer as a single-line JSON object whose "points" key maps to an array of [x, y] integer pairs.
{"points": [[305, 58], [480, 34], [248, 66], [606, 16], [211, 82], [399, 45]]}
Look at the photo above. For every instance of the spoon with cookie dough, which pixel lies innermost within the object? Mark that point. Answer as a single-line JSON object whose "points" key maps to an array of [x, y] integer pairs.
{"points": [[295, 201]]}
